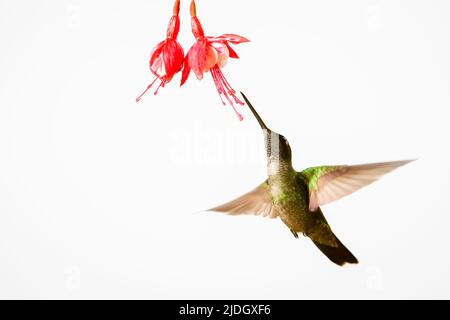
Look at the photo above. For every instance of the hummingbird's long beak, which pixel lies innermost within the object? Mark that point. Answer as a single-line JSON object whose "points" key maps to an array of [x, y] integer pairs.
{"points": [[261, 122]]}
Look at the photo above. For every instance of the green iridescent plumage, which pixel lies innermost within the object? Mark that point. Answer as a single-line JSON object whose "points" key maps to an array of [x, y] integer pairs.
{"points": [[313, 174]]}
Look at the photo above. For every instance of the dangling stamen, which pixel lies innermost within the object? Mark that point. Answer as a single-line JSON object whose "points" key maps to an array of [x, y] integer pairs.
{"points": [[218, 89], [227, 86], [218, 86], [231, 91], [224, 89], [145, 91], [160, 85]]}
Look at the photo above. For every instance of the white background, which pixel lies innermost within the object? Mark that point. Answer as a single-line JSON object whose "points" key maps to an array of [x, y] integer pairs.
{"points": [[101, 197]]}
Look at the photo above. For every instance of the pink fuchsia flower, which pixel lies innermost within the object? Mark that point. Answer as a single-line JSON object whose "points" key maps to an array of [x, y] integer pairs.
{"points": [[210, 54], [167, 57]]}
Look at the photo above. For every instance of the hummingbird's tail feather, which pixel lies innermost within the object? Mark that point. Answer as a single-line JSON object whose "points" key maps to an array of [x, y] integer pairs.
{"points": [[339, 255]]}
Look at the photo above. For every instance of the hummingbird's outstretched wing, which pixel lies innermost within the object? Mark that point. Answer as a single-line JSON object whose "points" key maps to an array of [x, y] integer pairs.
{"points": [[256, 202], [329, 183]]}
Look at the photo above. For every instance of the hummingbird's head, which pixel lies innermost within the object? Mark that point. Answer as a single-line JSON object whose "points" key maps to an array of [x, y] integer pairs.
{"points": [[277, 146]]}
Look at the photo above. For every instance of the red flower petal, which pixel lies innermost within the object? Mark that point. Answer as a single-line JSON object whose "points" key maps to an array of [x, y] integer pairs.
{"points": [[179, 57], [156, 52], [233, 38], [173, 57], [233, 53], [186, 69], [211, 57], [157, 68], [197, 58]]}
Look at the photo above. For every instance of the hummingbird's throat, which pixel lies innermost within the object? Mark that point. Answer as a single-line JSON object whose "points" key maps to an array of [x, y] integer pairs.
{"points": [[277, 166], [273, 167]]}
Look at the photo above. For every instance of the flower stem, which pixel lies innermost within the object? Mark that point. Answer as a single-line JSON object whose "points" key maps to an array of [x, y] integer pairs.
{"points": [[193, 9], [176, 8]]}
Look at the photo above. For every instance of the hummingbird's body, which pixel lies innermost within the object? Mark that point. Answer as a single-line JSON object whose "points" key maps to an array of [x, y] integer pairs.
{"points": [[295, 197], [289, 196]]}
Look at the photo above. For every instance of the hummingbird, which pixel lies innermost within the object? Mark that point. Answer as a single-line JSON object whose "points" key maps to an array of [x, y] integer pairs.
{"points": [[296, 196]]}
